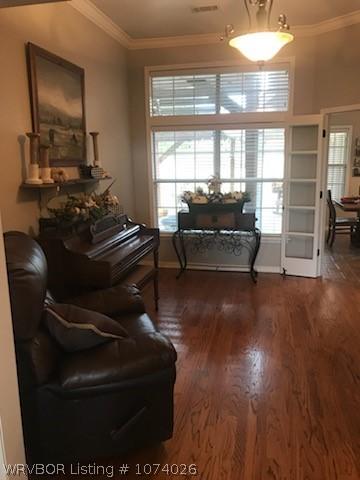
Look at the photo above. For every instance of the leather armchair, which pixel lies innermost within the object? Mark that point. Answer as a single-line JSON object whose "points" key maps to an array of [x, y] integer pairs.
{"points": [[92, 403]]}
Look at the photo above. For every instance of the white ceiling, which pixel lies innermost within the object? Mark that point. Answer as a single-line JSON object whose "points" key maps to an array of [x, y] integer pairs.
{"points": [[166, 18]]}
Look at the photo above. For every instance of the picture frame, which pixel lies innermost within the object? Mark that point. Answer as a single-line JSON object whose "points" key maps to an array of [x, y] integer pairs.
{"points": [[57, 97], [357, 147], [356, 162]]}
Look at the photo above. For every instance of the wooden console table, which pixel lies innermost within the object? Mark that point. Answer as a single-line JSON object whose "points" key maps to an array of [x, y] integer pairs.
{"points": [[230, 233]]}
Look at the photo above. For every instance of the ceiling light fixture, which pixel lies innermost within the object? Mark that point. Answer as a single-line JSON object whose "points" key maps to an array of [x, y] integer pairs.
{"points": [[260, 43]]}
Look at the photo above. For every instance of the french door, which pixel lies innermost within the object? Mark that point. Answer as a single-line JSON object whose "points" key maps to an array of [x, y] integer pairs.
{"points": [[302, 197]]}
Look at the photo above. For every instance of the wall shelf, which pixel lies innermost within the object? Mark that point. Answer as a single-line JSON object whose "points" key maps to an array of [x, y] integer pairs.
{"points": [[60, 185]]}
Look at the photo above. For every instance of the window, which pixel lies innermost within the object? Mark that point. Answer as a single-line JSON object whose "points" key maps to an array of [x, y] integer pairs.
{"points": [[219, 93], [245, 158], [249, 160], [339, 151]]}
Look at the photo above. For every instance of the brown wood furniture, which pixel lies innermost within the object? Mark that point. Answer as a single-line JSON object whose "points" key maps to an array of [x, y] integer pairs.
{"points": [[340, 226], [343, 225], [63, 185], [231, 232], [100, 256]]}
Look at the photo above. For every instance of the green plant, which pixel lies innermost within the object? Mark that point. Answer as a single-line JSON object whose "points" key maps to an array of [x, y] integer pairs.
{"points": [[86, 207]]}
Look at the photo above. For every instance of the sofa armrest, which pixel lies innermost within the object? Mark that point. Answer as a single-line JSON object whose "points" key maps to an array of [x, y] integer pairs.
{"points": [[37, 360], [111, 301], [117, 361]]}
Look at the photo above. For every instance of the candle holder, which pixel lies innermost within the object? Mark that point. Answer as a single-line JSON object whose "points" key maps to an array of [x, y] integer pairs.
{"points": [[34, 171], [96, 148], [45, 169]]}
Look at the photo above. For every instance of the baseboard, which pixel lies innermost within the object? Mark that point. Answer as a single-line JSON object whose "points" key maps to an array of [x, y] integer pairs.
{"points": [[220, 268]]}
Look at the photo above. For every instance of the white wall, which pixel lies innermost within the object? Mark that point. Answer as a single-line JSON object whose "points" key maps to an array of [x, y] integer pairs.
{"points": [[2, 456], [62, 30], [10, 417]]}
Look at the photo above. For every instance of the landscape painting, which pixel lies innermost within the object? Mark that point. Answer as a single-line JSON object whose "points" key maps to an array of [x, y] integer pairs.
{"points": [[57, 99]]}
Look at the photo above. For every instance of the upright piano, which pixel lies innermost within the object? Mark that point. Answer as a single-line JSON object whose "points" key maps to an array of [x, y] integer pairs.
{"points": [[100, 255]]}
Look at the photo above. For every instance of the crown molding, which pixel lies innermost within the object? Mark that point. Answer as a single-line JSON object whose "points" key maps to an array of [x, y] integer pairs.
{"points": [[95, 15], [175, 41], [327, 25], [23, 3]]}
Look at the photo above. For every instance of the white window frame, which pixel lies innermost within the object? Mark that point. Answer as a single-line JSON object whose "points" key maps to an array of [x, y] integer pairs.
{"points": [[215, 121], [348, 166]]}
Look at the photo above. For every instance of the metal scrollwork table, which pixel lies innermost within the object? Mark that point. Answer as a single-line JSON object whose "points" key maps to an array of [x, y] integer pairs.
{"points": [[229, 234]]}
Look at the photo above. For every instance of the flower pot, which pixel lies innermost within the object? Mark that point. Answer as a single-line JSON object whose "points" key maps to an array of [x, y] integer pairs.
{"points": [[216, 208]]}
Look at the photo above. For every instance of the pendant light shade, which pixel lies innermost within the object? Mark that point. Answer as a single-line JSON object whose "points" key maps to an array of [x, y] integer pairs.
{"points": [[260, 43], [261, 46]]}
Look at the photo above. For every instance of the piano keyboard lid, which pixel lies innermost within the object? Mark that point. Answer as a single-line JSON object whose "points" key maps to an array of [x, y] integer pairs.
{"points": [[82, 245]]}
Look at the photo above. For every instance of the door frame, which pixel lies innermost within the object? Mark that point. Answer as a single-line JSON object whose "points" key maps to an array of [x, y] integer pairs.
{"points": [[326, 112], [12, 450]]}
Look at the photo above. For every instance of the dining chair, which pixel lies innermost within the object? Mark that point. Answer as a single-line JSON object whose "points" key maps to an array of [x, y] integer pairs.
{"points": [[342, 225]]}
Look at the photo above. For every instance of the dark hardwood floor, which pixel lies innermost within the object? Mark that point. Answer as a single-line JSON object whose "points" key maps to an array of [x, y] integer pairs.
{"points": [[342, 261], [268, 380], [268, 384]]}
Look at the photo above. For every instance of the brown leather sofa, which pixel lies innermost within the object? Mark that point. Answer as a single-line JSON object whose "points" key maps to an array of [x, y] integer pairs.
{"points": [[93, 403]]}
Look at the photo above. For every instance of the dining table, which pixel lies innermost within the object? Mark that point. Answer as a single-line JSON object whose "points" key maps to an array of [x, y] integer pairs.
{"points": [[351, 204]]}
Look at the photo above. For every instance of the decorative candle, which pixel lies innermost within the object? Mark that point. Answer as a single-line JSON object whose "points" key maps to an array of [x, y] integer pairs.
{"points": [[96, 148], [33, 173], [45, 165], [34, 147], [44, 156]]}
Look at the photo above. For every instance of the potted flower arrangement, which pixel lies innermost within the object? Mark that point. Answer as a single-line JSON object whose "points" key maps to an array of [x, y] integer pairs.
{"points": [[81, 210], [215, 201]]}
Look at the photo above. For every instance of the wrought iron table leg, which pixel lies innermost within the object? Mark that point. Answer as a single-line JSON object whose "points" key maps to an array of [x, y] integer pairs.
{"points": [[183, 248], [183, 254], [253, 272], [177, 236]]}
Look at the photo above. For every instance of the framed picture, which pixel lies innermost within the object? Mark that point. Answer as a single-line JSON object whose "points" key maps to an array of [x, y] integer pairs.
{"points": [[356, 162], [57, 93], [357, 147]]}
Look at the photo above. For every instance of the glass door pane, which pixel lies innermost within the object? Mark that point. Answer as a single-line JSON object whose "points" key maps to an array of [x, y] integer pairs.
{"points": [[303, 166], [302, 194], [299, 252], [305, 138], [301, 221], [299, 247]]}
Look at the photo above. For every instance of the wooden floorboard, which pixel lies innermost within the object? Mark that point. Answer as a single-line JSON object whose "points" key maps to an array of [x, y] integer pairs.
{"points": [[268, 380], [342, 261], [268, 384]]}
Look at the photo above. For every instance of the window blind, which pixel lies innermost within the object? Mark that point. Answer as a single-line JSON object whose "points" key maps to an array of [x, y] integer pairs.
{"points": [[337, 161], [249, 160], [219, 93]]}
